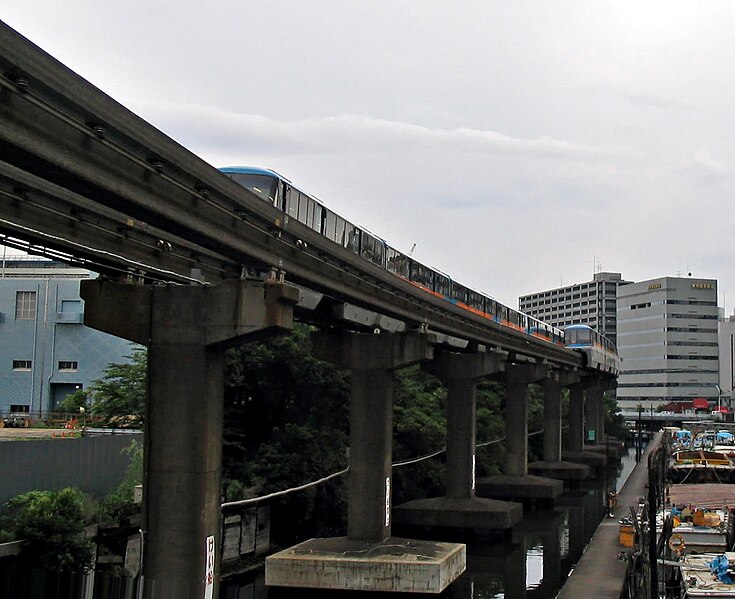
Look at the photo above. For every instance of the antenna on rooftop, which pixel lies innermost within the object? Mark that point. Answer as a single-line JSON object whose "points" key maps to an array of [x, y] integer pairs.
{"points": [[413, 247]]}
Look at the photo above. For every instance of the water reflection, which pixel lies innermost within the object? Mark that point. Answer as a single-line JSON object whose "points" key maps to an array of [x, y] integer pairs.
{"points": [[532, 564]]}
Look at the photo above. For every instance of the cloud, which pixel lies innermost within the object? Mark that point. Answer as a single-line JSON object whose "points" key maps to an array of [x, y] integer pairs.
{"points": [[213, 127], [708, 169]]}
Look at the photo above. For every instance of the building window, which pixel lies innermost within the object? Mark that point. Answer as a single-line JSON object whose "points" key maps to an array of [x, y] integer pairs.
{"points": [[25, 305], [67, 366], [22, 364], [24, 407], [71, 306]]}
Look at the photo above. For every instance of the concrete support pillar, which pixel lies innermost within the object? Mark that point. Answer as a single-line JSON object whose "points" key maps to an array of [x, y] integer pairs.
{"points": [[372, 359], [461, 372], [593, 414], [576, 417], [186, 330], [552, 419], [517, 379]]}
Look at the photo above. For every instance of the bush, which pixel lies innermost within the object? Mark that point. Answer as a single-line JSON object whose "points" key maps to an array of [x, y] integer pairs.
{"points": [[51, 525], [118, 505]]}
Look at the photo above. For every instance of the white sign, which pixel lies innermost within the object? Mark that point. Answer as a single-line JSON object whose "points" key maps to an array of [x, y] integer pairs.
{"points": [[387, 501], [209, 568], [473, 471]]}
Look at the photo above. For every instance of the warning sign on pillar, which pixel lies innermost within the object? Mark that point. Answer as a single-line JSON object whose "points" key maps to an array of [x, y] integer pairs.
{"points": [[387, 501], [209, 568], [473, 472]]}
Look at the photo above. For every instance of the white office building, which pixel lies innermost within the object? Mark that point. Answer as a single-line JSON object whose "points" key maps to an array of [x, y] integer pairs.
{"points": [[667, 341]]}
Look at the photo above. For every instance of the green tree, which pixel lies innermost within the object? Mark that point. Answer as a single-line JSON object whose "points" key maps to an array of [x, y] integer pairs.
{"points": [[285, 425], [51, 525], [490, 427], [121, 392], [419, 429], [73, 401], [119, 504]]}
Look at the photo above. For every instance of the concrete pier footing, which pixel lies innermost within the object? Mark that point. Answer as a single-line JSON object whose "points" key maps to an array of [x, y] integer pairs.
{"points": [[590, 458], [471, 513], [561, 470], [391, 565], [520, 487]]}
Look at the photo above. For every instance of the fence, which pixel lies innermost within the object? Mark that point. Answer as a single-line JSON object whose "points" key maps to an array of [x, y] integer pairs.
{"points": [[94, 465]]}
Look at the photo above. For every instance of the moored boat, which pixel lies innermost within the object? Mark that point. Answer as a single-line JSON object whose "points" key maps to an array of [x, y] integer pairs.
{"points": [[701, 465], [708, 575]]}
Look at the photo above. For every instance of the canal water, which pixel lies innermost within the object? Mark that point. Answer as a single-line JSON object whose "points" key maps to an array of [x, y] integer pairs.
{"points": [[532, 564]]}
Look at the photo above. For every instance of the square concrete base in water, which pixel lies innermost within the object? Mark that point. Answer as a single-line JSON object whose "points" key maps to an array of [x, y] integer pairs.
{"points": [[393, 565], [523, 487], [591, 458], [566, 471], [471, 513]]}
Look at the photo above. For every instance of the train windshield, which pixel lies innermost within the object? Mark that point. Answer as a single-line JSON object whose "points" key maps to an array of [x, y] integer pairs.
{"points": [[578, 336], [261, 185]]}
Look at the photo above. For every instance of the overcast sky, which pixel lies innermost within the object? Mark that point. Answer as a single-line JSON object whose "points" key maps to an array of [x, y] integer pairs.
{"points": [[519, 144]]}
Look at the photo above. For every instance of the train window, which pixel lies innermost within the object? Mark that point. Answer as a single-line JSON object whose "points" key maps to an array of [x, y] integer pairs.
{"points": [[442, 284], [318, 217], [459, 292], [330, 225], [263, 186], [351, 238], [303, 207], [501, 311], [371, 248], [422, 275], [475, 300], [578, 336], [513, 316], [292, 203], [396, 262]]}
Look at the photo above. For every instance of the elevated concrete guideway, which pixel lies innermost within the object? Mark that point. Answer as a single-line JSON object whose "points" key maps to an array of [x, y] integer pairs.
{"points": [[84, 178], [87, 177]]}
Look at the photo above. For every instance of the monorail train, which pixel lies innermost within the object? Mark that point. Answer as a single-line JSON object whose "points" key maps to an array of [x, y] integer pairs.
{"points": [[599, 351], [281, 193]]}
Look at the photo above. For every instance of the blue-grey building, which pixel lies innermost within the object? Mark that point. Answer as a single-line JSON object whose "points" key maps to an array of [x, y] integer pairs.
{"points": [[46, 351]]}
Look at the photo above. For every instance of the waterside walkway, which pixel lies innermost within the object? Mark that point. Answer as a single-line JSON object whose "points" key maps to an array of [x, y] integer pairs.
{"points": [[599, 568]]}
